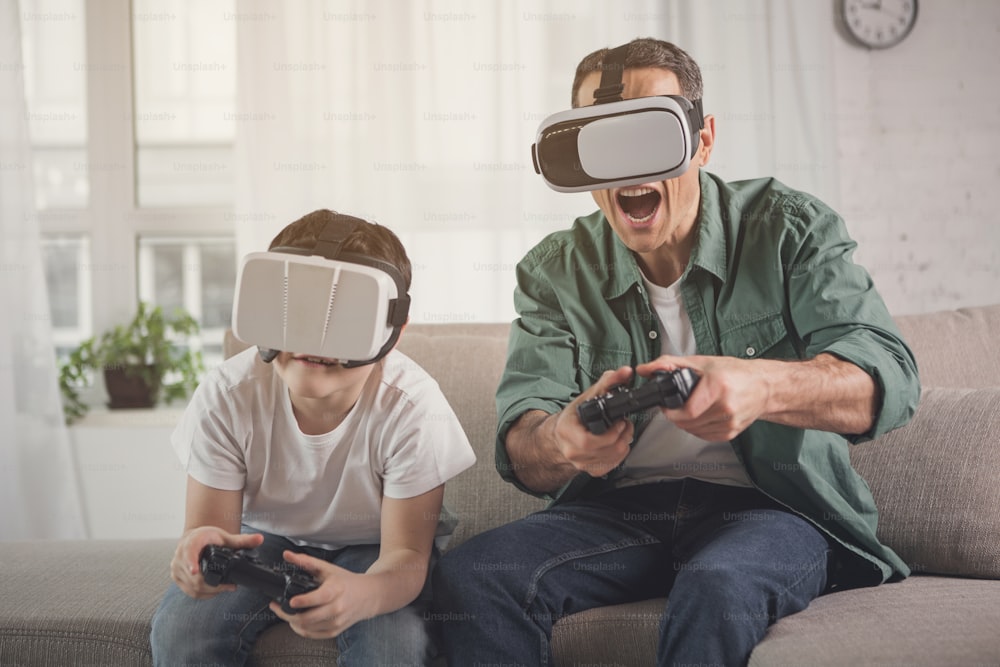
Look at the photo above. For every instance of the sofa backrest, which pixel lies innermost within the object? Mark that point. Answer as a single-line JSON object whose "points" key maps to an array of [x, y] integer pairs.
{"points": [[467, 360], [955, 348], [914, 472], [934, 480]]}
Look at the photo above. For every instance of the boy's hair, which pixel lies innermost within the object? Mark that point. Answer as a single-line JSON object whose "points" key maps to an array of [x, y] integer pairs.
{"points": [[646, 52], [367, 239]]}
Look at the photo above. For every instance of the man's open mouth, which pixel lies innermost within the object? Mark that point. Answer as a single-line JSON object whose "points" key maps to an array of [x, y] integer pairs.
{"points": [[638, 204], [322, 361]]}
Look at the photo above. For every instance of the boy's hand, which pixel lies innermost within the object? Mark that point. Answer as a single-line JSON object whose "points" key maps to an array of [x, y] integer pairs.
{"points": [[185, 569], [342, 599]]}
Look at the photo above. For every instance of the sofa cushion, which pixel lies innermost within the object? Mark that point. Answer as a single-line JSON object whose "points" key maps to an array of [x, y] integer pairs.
{"points": [[90, 602], [883, 625], [921, 621], [935, 483]]}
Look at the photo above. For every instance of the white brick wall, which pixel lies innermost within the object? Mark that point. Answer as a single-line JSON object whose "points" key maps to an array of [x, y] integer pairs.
{"points": [[919, 155]]}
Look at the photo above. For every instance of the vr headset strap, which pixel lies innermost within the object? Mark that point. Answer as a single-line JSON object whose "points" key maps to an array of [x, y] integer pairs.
{"points": [[333, 235], [612, 68]]}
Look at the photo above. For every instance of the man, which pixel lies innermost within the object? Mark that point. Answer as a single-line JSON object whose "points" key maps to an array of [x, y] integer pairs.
{"points": [[741, 506]]}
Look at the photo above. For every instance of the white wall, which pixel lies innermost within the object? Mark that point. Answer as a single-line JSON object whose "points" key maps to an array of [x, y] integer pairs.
{"points": [[131, 483], [919, 157], [919, 166]]}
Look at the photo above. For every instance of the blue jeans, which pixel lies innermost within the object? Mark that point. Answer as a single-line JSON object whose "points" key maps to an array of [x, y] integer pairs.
{"points": [[730, 562], [222, 630]]}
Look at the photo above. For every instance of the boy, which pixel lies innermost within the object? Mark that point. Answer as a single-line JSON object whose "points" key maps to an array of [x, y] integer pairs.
{"points": [[337, 469]]}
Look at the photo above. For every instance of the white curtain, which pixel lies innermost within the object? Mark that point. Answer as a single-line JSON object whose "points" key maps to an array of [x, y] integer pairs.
{"points": [[38, 490], [420, 115]]}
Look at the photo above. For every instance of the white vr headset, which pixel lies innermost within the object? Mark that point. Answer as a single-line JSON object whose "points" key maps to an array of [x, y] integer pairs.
{"points": [[320, 302], [616, 142]]}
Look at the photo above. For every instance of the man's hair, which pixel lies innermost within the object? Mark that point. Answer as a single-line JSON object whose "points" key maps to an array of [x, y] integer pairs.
{"points": [[646, 52], [367, 239]]}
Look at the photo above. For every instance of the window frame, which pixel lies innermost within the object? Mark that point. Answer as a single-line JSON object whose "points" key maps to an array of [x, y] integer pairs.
{"points": [[112, 221]]}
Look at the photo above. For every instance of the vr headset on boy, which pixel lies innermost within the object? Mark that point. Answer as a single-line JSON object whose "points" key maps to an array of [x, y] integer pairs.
{"points": [[616, 142], [320, 301]]}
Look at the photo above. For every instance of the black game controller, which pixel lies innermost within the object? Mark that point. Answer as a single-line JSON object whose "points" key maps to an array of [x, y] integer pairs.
{"points": [[222, 565], [669, 389]]}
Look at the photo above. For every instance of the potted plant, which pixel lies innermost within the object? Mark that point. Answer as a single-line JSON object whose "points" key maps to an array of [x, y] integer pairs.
{"points": [[142, 362]]}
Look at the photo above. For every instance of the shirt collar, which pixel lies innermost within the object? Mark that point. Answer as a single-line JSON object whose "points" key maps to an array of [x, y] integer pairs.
{"points": [[710, 250]]}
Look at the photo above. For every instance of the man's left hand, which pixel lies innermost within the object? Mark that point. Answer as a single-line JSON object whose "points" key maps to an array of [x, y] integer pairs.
{"points": [[730, 395]]}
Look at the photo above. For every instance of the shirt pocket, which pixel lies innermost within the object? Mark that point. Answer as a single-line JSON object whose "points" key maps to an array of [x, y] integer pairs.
{"points": [[594, 360], [763, 337]]}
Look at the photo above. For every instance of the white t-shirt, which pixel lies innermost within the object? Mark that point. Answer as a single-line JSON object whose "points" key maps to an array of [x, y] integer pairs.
{"points": [[663, 451], [401, 439]]}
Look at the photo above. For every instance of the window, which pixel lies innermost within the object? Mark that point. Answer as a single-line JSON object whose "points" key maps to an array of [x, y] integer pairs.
{"points": [[68, 281], [52, 41], [185, 98], [130, 110], [197, 274]]}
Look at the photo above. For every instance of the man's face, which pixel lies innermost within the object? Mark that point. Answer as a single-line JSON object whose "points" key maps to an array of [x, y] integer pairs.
{"points": [[649, 216]]}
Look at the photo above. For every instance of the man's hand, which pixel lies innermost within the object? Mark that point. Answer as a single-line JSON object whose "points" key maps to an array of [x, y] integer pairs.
{"points": [[547, 450], [185, 569], [824, 393], [595, 455], [730, 395], [342, 599]]}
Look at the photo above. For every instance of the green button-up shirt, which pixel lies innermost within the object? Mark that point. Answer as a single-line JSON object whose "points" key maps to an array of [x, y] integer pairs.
{"points": [[771, 276]]}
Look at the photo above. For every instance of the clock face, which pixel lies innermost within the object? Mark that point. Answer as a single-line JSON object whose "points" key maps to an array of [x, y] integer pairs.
{"points": [[879, 24]]}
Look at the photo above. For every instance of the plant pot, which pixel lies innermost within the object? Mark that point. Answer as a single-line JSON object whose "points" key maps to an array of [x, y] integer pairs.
{"points": [[127, 390]]}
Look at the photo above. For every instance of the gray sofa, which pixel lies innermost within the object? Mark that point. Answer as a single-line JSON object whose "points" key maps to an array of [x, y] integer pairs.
{"points": [[937, 483]]}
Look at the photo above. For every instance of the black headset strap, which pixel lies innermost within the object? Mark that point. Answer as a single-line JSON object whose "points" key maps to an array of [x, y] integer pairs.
{"points": [[612, 68], [333, 235], [696, 115], [696, 121], [611, 87]]}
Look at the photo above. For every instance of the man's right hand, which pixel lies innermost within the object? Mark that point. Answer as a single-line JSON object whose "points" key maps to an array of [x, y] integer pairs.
{"points": [[185, 569], [549, 450]]}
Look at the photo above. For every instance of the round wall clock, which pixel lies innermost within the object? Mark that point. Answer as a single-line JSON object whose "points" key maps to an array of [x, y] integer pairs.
{"points": [[879, 24]]}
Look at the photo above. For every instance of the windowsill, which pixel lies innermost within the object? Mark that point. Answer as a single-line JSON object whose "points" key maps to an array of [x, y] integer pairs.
{"points": [[158, 417]]}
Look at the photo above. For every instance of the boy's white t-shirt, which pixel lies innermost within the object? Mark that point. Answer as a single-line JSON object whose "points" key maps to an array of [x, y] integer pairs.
{"points": [[401, 439], [664, 451]]}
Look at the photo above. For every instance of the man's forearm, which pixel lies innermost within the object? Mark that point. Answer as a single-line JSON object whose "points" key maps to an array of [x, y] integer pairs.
{"points": [[825, 393], [535, 459]]}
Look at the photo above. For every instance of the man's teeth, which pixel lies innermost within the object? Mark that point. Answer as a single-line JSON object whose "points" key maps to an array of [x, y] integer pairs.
{"points": [[636, 192], [633, 219], [625, 195]]}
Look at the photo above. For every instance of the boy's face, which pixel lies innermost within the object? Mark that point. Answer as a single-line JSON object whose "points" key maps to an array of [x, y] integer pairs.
{"points": [[318, 378]]}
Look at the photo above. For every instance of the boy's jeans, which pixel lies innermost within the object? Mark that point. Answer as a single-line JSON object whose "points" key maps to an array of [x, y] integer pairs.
{"points": [[732, 562], [222, 630]]}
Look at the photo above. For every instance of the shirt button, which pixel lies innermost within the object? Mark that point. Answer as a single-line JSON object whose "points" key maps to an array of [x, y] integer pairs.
{"points": [[653, 335], [751, 351]]}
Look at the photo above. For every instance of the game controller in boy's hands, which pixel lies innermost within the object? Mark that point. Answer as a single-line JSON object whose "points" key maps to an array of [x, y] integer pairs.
{"points": [[668, 389], [222, 565]]}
